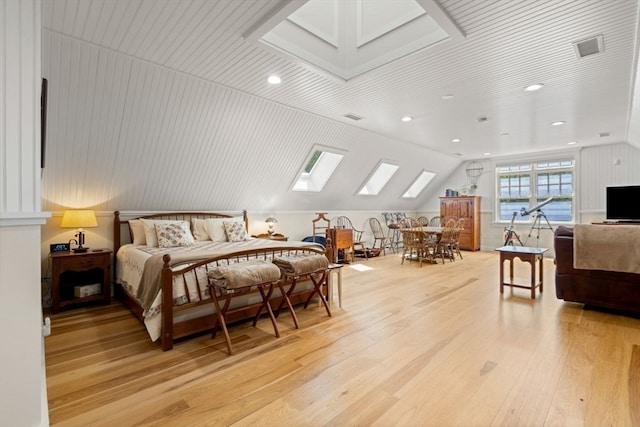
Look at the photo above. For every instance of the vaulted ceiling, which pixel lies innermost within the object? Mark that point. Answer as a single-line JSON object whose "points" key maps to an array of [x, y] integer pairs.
{"points": [[164, 104]]}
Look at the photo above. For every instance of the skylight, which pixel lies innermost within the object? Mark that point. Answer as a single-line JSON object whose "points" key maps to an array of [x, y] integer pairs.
{"points": [[317, 170], [350, 38], [418, 185], [379, 179]]}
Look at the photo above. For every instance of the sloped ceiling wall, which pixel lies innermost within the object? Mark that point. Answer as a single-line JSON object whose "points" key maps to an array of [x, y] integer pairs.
{"points": [[163, 104], [131, 135]]}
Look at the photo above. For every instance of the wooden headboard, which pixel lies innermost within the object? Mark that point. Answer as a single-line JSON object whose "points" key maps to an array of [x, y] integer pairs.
{"points": [[122, 232]]}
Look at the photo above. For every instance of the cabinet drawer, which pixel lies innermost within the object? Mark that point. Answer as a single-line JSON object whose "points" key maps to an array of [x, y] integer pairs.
{"points": [[83, 263]]}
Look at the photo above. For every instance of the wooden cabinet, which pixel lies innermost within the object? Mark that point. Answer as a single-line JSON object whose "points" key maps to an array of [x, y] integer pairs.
{"points": [[72, 271], [341, 243], [467, 208]]}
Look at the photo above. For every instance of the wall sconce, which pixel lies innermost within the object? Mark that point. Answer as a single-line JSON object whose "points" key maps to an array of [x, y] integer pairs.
{"points": [[271, 221], [79, 218]]}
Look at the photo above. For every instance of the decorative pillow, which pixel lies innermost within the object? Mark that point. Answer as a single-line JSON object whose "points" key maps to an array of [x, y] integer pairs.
{"points": [[150, 230], [216, 230], [137, 229], [173, 234], [235, 231], [199, 229]]}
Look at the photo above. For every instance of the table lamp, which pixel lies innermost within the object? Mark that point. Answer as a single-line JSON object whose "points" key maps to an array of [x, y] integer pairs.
{"points": [[271, 221], [79, 218]]}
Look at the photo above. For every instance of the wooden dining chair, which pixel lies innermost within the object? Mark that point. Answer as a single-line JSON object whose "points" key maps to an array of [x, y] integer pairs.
{"points": [[413, 247], [455, 245], [423, 221], [436, 221], [379, 236], [443, 247]]}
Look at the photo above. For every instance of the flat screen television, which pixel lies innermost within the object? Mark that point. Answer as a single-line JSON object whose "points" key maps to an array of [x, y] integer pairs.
{"points": [[623, 203]]}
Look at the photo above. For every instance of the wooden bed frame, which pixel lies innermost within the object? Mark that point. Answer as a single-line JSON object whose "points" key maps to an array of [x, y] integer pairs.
{"points": [[170, 330]]}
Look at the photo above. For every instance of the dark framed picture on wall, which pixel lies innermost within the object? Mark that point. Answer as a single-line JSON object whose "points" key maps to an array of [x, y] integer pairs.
{"points": [[43, 123]]}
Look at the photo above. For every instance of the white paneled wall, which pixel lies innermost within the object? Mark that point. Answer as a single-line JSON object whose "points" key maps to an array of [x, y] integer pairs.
{"points": [[128, 134], [602, 166], [23, 398], [20, 108]]}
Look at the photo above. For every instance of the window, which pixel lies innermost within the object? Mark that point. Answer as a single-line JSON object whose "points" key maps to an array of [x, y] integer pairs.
{"points": [[379, 179], [527, 187], [317, 170], [418, 185]]}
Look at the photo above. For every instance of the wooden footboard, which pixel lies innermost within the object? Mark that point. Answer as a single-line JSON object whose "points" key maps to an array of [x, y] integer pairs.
{"points": [[175, 272]]}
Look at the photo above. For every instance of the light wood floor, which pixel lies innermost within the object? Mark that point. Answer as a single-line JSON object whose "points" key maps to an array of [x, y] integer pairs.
{"points": [[430, 346]]}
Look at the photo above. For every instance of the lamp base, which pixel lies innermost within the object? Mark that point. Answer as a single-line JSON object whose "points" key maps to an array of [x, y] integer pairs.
{"points": [[80, 250]]}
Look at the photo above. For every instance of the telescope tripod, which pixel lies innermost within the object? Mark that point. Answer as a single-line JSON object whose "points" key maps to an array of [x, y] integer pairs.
{"points": [[538, 225], [510, 234]]}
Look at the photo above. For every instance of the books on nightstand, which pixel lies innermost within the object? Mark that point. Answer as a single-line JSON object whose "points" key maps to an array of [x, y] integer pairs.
{"points": [[87, 290]]}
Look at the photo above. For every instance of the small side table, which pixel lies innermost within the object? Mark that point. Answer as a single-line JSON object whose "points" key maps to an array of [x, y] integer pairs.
{"points": [[525, 254]]}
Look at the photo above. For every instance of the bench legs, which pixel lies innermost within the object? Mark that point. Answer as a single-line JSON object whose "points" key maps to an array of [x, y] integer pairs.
{"points": [[319, 279], [222, 311]]}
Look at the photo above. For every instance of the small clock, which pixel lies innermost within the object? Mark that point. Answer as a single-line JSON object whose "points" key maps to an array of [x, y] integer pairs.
{"points": [[59, 247]]}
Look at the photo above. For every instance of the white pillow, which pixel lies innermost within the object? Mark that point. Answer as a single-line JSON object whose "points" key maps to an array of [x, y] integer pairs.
{"points": [[137, 229], [215, 228], [150, 230], [199, 229], [236, 232], [171, 235]]}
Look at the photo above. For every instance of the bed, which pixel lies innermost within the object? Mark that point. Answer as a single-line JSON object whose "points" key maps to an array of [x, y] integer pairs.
{"points": [[160, 270]]}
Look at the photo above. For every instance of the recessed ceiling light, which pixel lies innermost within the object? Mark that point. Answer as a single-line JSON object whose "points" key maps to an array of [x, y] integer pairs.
{"points": [[572, 142], [447, 97], [534, 87], [407, 118], [274, 80], [487, 154], [558, 123], [456, 140]]}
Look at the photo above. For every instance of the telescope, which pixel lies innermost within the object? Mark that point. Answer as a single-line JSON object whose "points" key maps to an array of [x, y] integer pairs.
{"points": [[525, 212]]}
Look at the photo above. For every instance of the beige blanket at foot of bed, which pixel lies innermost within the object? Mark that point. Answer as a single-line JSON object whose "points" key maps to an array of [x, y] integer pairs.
{"points": [[607, 247], [250, 273], [301, 264]]}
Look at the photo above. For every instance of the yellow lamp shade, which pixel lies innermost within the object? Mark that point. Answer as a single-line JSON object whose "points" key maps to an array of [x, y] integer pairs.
{"points": [[79, 218]]}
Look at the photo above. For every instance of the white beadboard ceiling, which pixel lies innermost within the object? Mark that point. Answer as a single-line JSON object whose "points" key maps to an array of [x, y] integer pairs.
{"points": [[164, 104]]}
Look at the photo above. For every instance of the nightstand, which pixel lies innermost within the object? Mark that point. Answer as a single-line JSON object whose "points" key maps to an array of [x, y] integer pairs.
{"points": [[274, 236], [80, 278]]}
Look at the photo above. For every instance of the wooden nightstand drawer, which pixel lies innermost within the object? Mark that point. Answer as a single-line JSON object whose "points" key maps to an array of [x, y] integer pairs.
{"points": [[81, 263]]}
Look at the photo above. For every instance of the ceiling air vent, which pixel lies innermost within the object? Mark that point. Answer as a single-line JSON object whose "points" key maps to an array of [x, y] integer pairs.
{"points": [[605, 134], [589, 46], [353, 117]]}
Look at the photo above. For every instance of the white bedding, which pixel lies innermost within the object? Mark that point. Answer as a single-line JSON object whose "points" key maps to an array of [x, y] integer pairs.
{"points": [[130, 264]]}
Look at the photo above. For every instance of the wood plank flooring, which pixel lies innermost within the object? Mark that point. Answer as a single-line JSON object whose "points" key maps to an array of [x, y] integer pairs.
{"points": [[412, 346]]}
